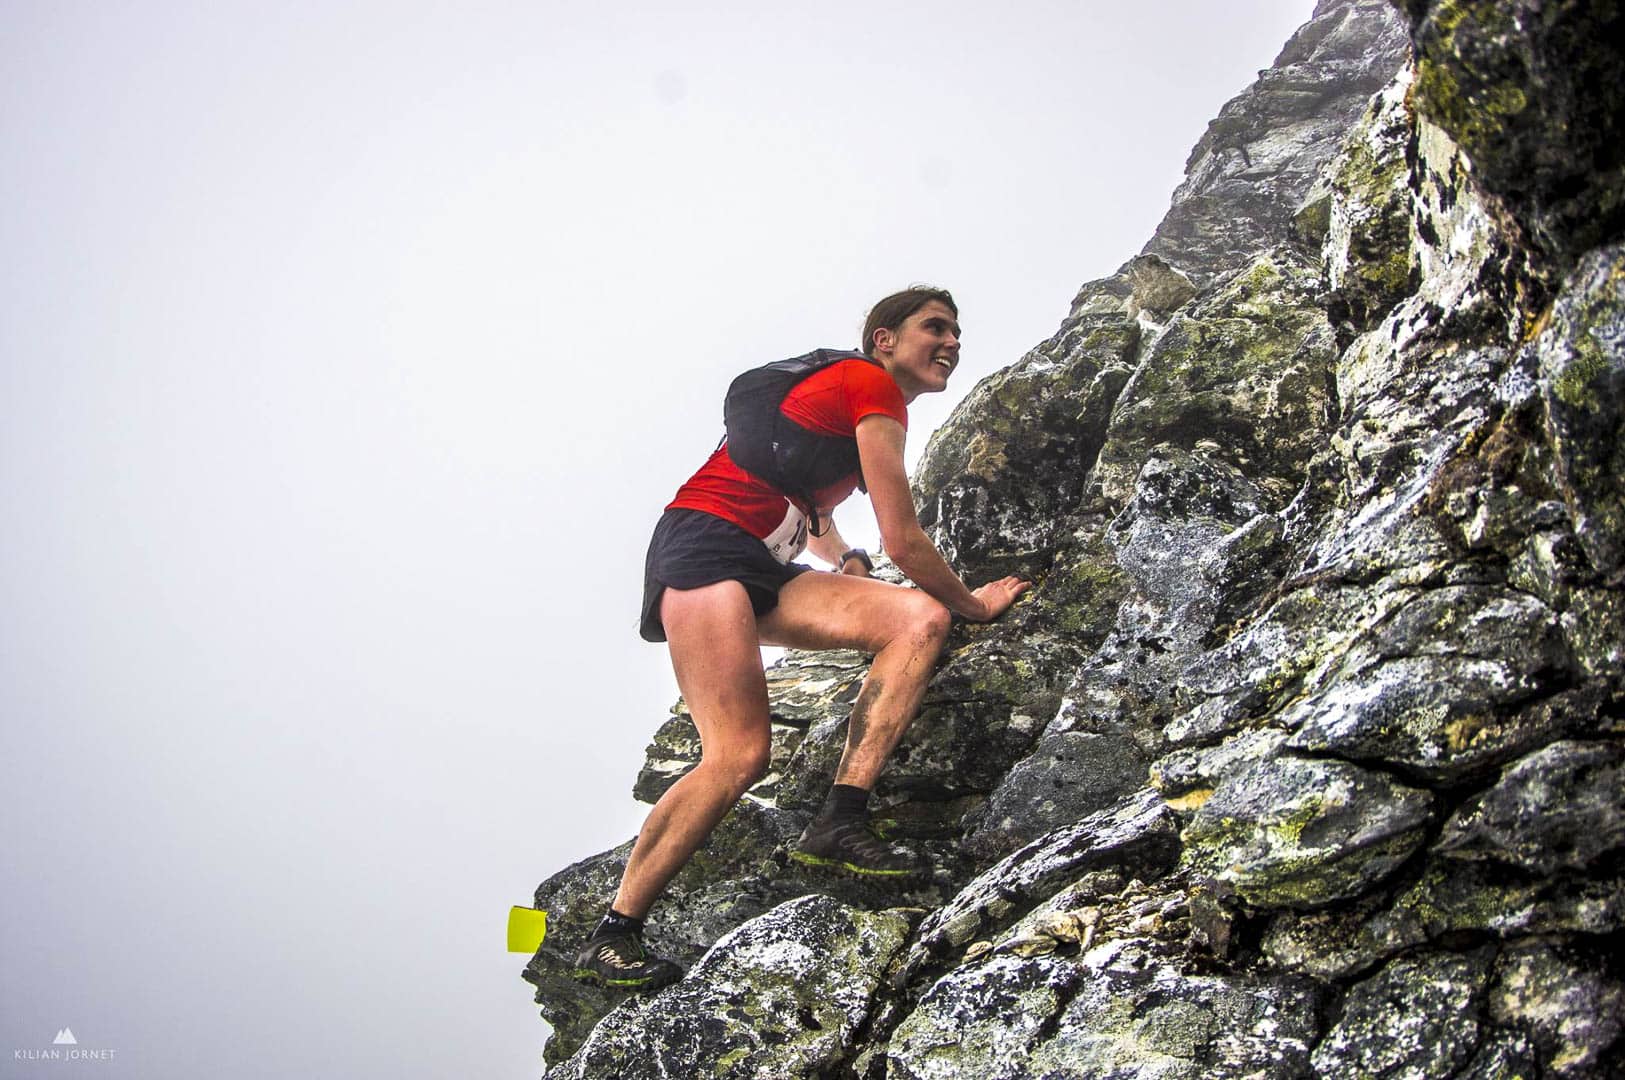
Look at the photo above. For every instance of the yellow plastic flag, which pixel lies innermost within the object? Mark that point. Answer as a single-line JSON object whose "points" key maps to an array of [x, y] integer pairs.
{"points": [[527, 929]]}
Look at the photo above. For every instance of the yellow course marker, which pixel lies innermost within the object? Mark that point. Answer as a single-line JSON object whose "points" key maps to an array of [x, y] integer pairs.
{"points": [[527, 929]]}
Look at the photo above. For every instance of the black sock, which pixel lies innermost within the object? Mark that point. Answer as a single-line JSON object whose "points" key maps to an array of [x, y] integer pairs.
{"points": [[616, 923], [846, 803]]}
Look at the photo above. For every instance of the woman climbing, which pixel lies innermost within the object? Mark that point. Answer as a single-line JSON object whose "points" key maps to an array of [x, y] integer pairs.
{"points": [[718, 582]]}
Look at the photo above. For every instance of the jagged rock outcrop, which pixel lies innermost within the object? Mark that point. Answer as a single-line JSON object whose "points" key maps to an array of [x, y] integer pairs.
{"points": [[1306, 755], [782, 995]]}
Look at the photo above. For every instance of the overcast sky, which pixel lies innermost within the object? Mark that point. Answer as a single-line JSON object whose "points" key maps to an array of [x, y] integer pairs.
{"points": [[348, 353]]}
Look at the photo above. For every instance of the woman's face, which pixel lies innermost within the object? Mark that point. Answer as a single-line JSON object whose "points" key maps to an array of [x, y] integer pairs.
{"points": [[923, 352]]}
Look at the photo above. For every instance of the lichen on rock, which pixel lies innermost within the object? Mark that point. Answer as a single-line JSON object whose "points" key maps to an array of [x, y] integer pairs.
{"points": [[1302, 833], [781, 995], [1414, 1019]]}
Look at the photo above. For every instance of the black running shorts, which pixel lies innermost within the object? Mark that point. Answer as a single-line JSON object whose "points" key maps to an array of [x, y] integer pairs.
{"points": [[691, 548]]}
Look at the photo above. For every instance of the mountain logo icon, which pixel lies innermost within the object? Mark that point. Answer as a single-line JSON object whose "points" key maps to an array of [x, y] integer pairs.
{"points": [[65, 1037]]}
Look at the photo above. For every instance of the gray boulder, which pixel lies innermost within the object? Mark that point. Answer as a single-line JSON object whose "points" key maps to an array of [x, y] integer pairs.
{"points": [[1414, 1020], [781, 995], [1557, 809], [1301, 833]]}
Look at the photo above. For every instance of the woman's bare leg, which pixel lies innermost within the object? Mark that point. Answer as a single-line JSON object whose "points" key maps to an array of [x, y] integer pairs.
{"points": [[905, 630], [712, 635]]}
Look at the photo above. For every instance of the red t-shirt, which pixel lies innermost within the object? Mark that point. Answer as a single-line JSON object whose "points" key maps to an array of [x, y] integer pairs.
{"points": [[830, 402]]}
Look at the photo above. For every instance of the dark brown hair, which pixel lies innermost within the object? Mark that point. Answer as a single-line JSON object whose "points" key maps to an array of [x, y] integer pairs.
{"points": [[891, 312]]}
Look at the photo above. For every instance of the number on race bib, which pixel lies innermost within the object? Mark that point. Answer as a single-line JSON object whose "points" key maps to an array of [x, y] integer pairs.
{"points": [[789, 539]]}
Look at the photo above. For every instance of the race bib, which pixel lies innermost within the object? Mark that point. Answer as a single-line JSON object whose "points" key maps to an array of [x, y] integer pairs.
{"points": [[790, 538]]}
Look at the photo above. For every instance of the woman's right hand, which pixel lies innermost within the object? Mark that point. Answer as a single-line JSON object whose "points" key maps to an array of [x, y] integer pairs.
{"points": [[997, 596]]}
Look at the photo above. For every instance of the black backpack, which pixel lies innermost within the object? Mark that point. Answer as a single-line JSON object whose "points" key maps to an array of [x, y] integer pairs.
{"points": [[766, 443]]}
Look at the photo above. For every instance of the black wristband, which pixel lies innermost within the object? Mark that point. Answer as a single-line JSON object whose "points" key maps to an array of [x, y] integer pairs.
{"points": [[859, 554]]}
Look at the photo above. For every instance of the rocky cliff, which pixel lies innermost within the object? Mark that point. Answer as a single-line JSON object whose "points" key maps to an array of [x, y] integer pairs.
{"points": [[1306, 755]]}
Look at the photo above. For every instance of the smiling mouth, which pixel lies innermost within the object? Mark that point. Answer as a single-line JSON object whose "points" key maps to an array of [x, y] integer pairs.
{"points": [[945, 362]]}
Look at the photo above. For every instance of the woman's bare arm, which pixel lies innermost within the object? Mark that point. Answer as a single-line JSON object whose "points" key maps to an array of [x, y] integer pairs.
{"points": [[880, 449]]}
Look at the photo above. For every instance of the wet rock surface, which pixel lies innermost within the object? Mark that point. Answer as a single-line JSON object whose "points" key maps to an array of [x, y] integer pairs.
{"points": [[1306, 753]]}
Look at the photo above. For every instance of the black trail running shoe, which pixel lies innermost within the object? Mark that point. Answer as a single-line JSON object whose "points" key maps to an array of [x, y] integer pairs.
{"points": [[854, 848], [620, 961]]}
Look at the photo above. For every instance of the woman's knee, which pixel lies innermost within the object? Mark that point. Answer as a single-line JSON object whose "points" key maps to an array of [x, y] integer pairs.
{"points": [[740, 767], [930, 620], [918, 620]]}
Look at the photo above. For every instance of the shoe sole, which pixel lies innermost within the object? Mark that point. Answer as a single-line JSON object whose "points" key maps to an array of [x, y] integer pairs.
{"points": [[852, 869], [652, 983]]}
